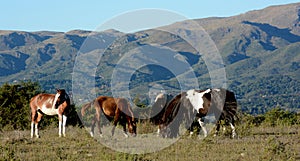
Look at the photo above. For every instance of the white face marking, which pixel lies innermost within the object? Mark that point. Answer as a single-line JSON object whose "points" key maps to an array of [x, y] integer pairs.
{"points": [[196, 98], [55, 99]]}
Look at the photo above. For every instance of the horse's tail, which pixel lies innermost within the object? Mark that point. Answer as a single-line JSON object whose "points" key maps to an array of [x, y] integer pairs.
{"points": [[231, 106], [86, 107]]}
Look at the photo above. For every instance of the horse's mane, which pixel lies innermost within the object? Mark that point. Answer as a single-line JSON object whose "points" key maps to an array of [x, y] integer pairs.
{"points": [[171, 109], [157, 119], [124, 106]]}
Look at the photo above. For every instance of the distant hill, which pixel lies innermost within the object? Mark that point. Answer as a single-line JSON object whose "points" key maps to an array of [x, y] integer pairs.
{"points": [[260, 50]]}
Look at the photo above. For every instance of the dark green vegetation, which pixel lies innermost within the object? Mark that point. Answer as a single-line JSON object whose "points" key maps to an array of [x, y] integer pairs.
{"points": [[260, 50], [14, 104]]}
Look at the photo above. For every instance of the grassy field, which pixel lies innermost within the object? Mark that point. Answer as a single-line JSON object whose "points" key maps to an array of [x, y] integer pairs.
{"points": [[258, 143]]}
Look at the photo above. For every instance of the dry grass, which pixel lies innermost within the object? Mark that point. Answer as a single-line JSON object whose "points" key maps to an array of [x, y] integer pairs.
{"points": [[279, 143]]}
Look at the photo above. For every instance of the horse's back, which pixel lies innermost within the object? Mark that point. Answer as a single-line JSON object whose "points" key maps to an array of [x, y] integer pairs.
{"points": [[107, 104], [41, 98]]}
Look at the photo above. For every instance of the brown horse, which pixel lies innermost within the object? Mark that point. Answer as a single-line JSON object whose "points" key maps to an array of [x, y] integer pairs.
{"points": [[49, 104], [158, 108], [116, 109], [177, 111]]}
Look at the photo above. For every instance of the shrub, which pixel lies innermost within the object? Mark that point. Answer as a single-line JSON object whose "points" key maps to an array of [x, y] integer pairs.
{"points": [[279, 116], [14, 104]]}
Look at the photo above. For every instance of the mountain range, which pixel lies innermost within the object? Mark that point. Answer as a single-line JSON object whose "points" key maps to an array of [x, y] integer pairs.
{"points": [[259, 50]]}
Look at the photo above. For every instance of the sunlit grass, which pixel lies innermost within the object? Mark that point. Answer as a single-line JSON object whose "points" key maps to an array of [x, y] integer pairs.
{"points": [[261, 143]]}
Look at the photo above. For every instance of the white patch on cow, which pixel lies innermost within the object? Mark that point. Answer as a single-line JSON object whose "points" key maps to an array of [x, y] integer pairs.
{"points": [[48, 111], [196, 98]]}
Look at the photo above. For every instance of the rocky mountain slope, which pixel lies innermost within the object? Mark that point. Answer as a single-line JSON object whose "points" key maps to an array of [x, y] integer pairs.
{"points": [[260, 51]]}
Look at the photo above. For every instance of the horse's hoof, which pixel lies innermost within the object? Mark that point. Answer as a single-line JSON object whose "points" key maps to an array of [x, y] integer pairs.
{"points": [[126, 136], [92, 134]]}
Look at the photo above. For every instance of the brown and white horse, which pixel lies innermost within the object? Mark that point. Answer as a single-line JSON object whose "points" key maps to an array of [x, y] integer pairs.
{"points": [[219, 102], [176, 112], [49, 104], [115, 109]]}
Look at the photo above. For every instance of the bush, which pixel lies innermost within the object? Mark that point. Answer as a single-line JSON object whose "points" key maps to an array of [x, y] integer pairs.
{"points": [[279, 116], [14, 104]]}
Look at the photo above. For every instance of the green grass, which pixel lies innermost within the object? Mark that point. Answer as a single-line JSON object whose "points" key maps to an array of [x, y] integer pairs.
{"points": [[258, 143]]}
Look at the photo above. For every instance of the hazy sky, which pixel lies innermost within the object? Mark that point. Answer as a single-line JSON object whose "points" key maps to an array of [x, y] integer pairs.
{"points": [[66, 15]]}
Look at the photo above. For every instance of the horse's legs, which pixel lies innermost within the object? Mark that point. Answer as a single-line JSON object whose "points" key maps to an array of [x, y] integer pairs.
{"points": [[217, 128], [36, 122], [93, 127], [32, 129], [98, 119], [233, 129], [60, 120], [33, 120], [158, 130], [124, 128], [116, 120], [202, 124], [194, 125], [64, 117]]}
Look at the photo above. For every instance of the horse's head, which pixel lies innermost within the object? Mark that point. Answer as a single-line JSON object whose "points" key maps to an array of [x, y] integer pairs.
{"points": [[62, 96], [196, 99], [132, 127]]}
